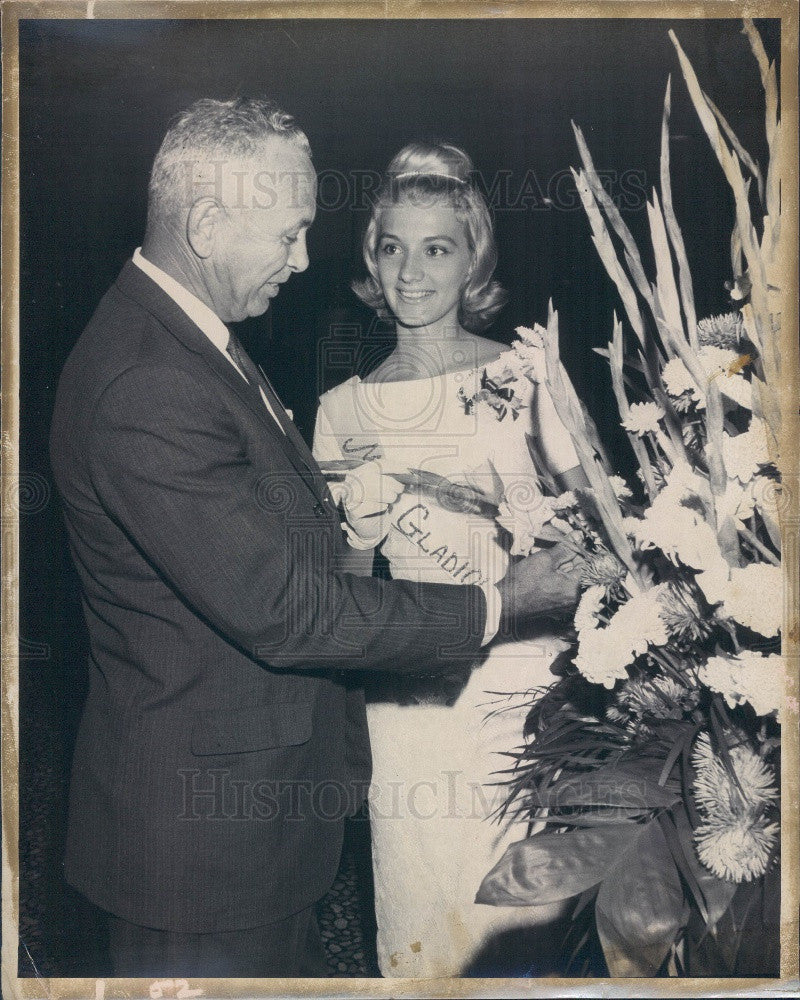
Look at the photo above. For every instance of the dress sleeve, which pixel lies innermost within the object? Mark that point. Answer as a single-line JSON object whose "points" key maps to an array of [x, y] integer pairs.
{"points": [[510, 457], [325, 447]]}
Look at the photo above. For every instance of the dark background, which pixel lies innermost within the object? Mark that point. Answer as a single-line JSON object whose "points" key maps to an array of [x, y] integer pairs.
{"points": [[95, 99]]}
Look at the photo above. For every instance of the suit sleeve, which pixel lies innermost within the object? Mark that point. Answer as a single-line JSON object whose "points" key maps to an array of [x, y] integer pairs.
{"points": [[168, 463]]}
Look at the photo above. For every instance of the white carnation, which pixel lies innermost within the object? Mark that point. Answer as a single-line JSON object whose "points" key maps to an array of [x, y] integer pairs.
{"points": [[528, 354], [743, 453], [589, 607], [604, 653], [621, 489], [677, 378], [643, 418], [530, 336], [748, 677], [753, 596], [717, 363]]}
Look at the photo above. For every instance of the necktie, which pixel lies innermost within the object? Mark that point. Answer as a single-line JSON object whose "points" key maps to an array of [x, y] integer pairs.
{"points": [[257, 379]]}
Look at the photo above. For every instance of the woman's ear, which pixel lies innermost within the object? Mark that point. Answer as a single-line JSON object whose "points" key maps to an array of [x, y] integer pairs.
{"points": [[202, 224]]}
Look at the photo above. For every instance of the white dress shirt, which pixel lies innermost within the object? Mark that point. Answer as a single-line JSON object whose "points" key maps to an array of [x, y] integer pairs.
{"points": [[198, 312]]}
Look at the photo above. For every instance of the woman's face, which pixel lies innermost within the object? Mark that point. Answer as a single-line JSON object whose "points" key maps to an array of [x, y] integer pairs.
{"points": [[423, 260]]}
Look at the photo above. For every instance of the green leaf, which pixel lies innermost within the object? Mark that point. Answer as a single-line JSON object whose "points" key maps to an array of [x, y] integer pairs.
{"points": [[717, 893], [611, 785], [549, 867], [640, 907]]}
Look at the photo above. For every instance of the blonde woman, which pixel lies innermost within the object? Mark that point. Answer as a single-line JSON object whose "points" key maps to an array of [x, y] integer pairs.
{"points": [[437, 746]]}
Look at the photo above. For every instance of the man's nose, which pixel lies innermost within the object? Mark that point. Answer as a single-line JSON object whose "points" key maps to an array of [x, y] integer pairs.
{"points": [[298, 256]]}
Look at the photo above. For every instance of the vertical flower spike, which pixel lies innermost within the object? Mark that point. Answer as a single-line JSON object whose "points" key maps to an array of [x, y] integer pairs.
{"points": [[572, 417], [763, 309], [674, 230], [616, 362]]}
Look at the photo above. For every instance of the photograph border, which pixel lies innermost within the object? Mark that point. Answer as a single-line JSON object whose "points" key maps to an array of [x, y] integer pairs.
{"points": [[88, 989]]}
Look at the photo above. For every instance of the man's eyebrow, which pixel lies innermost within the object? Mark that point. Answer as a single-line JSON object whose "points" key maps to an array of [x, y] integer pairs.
{"points": [[304, 223]]}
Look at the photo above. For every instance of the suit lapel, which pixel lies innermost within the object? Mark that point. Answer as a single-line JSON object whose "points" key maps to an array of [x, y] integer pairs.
{"points": [[137, 285]]}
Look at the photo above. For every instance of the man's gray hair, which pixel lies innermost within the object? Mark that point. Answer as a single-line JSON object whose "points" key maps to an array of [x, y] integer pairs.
{"points": [[205, 136]]}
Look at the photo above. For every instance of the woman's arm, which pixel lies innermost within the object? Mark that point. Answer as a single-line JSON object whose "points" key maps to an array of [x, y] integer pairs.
{"points": [[572, 479]]}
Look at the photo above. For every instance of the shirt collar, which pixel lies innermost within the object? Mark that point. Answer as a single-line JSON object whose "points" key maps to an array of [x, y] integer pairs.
{"points": [[197, 311]]}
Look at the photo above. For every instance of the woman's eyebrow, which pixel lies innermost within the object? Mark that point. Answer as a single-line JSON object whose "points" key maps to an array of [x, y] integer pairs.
{"points": [[427, 239]]}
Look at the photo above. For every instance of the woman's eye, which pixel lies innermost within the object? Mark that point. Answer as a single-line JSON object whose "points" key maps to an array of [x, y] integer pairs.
{"points": [[436, 251], [389, 249], [288, 240]]}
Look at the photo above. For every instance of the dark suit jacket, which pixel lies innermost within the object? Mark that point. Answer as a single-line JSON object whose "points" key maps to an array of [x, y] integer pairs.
{"points": [[224, 735]]}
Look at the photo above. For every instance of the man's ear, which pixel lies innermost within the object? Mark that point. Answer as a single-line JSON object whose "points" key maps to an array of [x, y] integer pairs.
{"points": [[202, 223]]}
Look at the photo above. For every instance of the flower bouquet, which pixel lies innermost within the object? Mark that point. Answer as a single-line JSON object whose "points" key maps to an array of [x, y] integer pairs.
{"points": [[651, 767]]}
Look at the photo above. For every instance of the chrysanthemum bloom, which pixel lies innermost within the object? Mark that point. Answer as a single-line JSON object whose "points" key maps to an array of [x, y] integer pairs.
{"points": [[677, 379], [682, 614], [734, 839], [643, 418], [602, 568], [659, 697], [723, 330], [737, 849]]}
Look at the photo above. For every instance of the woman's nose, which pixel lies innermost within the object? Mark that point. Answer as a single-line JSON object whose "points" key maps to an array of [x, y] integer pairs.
{"points": [[411, 268]]}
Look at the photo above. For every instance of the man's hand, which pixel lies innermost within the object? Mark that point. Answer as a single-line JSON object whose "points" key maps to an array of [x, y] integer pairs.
{"points": [[543, 585], [366, 494]]}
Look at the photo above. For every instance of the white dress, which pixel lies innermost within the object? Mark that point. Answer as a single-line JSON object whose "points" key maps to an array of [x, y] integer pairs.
{"points": [[437, 746]]}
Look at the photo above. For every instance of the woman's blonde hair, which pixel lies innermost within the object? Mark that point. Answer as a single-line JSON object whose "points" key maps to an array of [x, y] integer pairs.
{"points": [[427, 174]]}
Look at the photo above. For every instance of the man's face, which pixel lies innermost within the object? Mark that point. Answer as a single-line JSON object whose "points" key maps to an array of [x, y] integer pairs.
{"points": [[260, 238]]}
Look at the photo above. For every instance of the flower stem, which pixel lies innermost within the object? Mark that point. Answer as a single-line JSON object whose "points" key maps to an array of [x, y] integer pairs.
{"points": [[759, 546]]}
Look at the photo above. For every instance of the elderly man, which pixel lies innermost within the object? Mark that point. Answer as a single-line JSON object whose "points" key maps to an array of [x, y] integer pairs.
{"points": [[223, 739]]}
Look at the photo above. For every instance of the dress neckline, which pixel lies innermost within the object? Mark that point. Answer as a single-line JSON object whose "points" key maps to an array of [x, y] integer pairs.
{"points": [[431, 378]]}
